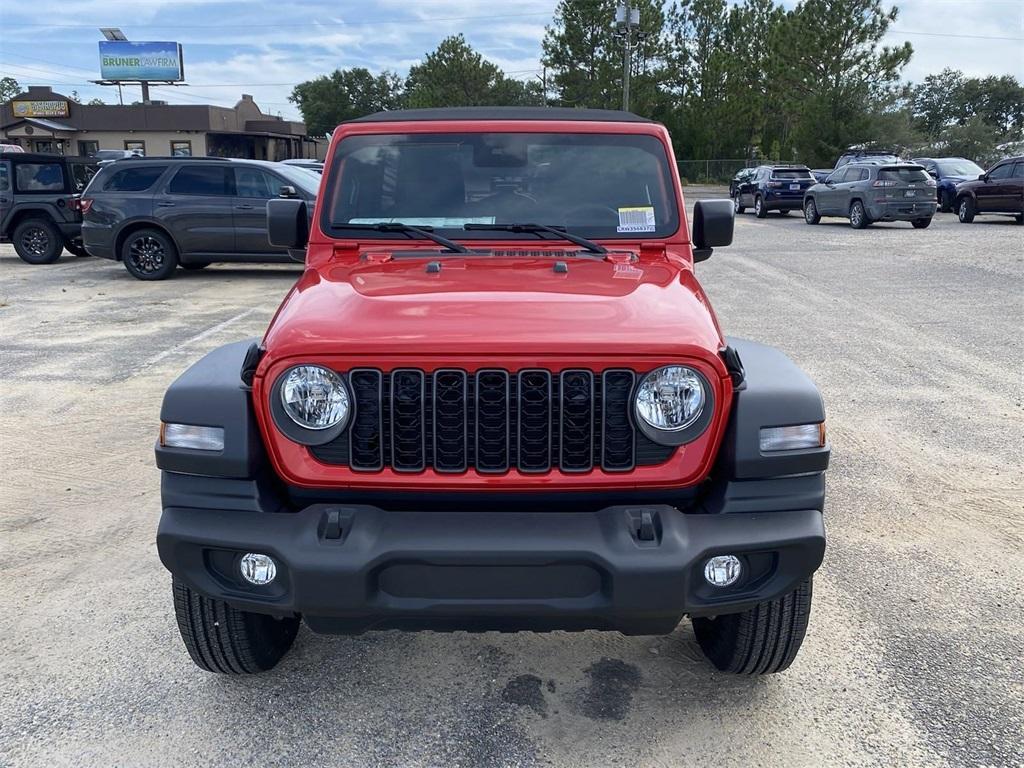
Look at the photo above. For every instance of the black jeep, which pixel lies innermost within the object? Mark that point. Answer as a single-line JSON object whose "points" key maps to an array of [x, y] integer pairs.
{"points": [[39, 204]]}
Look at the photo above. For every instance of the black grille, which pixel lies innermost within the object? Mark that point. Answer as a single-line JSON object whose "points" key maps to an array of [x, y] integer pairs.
{"points": [[492, 421]]}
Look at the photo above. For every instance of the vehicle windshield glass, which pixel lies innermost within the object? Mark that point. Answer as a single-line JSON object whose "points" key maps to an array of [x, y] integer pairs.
{"points": [[791, 173], [904, 174], [303, 178], [959, 168], [595, 185]]}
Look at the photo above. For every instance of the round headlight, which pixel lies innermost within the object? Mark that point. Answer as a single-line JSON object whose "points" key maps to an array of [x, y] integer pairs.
{"points": [[670, 399], [315, 397]]}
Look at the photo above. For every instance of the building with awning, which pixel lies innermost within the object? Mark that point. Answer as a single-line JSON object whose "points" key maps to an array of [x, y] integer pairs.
{"points": [[41, 120]]}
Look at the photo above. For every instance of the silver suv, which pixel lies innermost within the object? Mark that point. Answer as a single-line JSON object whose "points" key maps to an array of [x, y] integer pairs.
{"points": [[867, 192]]}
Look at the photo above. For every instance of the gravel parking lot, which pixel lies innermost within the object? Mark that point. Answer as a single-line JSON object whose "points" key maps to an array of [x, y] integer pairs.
{"points": [[914, 651]]}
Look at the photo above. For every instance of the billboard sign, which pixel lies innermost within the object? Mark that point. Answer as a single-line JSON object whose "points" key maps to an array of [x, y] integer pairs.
{"points": [[57, 108], [128, 60]]}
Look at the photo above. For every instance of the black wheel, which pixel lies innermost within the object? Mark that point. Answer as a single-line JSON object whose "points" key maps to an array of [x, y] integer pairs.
{"points": [[858, 216], [762, 640], [946, 200], [965, 210], [195, 266], [921, 223], [149, 254], [784, 211], [759, 210], [75, 248], [737, 205], [38, 241], [223, 639], [811, 215]]}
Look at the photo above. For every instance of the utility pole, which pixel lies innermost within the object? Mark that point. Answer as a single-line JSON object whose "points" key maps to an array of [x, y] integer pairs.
{"points": [[627, 26]]}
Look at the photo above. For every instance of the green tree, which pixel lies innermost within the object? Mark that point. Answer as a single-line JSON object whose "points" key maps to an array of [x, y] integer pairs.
{"points": [[343, 95], [9, 88], [455, 75], [585, 55], [836, 75]]}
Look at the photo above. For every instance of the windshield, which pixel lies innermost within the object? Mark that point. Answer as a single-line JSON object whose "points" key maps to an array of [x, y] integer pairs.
{"points": [[791, 173], [595, 185], [959, 168], [904, 174]]}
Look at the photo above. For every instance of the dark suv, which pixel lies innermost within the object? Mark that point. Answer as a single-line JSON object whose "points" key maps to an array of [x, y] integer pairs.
{"points": [[39, 204], [774, 188], [870, 191], [156, 214], [999, 190]]}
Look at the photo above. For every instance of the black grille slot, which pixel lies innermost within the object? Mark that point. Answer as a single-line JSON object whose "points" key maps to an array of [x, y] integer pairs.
{"points": [[366, 450], [451, 410], [577, 427], [408, 429], [492, 421], [535, 401], [618, 451]]}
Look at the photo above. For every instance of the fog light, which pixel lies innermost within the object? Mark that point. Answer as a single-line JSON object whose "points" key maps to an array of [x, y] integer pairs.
{"points": [[258, 569], [723, 570]]}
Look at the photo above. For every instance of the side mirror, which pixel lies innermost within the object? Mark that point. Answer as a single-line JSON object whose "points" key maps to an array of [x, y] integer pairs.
{"points": [[933, 174], [287, 223], [288, 192], [983, 177], [713, 224]]}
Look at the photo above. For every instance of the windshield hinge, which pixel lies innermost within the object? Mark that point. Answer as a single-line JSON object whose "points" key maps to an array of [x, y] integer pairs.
{"points": [[734, 366]]}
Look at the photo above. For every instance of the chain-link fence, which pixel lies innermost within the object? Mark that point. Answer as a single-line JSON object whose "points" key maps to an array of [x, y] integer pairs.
{"points": [[718, 171]]}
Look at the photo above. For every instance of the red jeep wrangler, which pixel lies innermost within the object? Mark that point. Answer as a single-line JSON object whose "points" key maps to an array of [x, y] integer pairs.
{"points": [[497, 399]]}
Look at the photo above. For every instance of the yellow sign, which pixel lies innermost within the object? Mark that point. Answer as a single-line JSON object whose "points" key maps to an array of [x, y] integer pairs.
{"points": [[40, 108]]}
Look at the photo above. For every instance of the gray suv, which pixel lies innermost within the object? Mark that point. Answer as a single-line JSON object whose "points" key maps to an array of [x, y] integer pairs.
{"points": [[867, 192], [156, 214]]}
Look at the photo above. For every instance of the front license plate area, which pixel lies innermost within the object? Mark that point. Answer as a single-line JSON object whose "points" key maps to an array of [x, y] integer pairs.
{"points": [[909, 193], [794, 186]]}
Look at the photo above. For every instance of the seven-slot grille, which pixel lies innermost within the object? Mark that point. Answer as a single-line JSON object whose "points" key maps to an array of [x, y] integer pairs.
{"points": [[493, 421]]}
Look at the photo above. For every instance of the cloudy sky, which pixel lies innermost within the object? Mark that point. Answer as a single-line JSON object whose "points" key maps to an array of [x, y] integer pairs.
{"points": [[264, 47]]}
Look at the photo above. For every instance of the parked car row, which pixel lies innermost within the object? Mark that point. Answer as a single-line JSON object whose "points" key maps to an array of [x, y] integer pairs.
{"points": [[153, 214], [866, 187]]}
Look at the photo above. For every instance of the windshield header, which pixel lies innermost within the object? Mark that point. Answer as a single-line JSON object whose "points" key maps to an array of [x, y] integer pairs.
{"points": [[593, 185]]}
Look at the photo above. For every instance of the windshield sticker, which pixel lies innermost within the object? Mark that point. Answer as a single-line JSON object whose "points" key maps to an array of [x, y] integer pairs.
{"points": [[636, 219], [437, 222]]}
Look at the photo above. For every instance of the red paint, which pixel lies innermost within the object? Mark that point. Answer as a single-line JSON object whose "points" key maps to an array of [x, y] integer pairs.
{"points": [[348, 311]]}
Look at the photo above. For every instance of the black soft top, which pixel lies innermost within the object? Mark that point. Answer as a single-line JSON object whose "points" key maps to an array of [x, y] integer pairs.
{"points": [[503, 113]]}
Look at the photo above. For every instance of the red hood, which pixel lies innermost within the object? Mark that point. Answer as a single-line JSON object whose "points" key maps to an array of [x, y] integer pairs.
{"points": [[496, 306]]}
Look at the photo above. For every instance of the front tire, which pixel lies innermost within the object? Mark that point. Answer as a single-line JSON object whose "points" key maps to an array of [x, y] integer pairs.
{"points": [[965, 210], [946, 201], [811, 215], [148, 254], [737, 206], [228, 641], [38, 241], [921, 223], [858, 216], [759, 641], [759, 210]]}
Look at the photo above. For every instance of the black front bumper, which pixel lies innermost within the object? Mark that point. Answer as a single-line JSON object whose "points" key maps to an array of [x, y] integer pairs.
{"points": [[349, 568]]}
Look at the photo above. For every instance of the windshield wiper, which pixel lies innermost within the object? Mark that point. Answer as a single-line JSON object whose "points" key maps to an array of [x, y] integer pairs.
{"points": [[408, 229], [537, 229]]}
